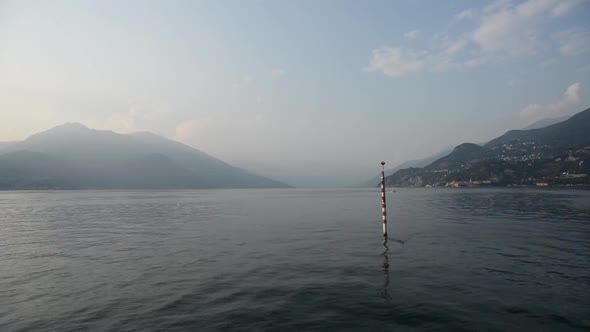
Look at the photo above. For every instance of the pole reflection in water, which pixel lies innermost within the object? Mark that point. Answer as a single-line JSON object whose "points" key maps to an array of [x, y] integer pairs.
{"points": [[385, 268]]}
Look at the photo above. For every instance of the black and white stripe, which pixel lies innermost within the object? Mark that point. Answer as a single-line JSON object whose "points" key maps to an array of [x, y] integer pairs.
{"points": [[383, 209]]}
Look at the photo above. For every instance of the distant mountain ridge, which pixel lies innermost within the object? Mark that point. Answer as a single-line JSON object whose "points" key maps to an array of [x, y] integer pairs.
{"points": [[419, 163], [571, 132], [546, 122], [558, 154], [408, 164], [72, 156], [4, 145]]}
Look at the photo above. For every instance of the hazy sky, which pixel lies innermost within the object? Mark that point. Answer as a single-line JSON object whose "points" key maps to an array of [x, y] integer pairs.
{"points": [[310, 92]]}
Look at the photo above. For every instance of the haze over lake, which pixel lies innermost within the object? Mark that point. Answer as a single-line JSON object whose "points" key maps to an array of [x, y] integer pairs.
{"points": [[292, 259], [308, 93], [214, 165]]}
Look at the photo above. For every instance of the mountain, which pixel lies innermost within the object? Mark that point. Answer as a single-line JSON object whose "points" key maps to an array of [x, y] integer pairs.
{"points": [[408, 164], [546, 122], [461, 153], [72, 156], [572, 132], [4, 145], [557, 154]]}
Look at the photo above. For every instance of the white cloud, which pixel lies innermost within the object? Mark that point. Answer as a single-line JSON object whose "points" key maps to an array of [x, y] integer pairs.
{"points": [[514, 30], [184, 131], [136, 118], [574, 42], [440, 63], [496, 5], [412, 34], [476, 62], [502, 30], [571, 97], [277, 71], [565, 7], [395, 61], [466, 14], [456, 46], [572, 93], [398, 62]]}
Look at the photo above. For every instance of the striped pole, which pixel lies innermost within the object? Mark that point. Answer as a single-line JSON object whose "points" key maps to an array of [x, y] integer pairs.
{"points": [[383, 210]]}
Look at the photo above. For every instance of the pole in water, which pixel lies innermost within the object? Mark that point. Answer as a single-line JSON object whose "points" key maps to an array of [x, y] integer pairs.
{"points": [[383, 209]]}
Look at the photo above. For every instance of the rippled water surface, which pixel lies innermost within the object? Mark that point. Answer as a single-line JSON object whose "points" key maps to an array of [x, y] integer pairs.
{"points": [[294, 260]]}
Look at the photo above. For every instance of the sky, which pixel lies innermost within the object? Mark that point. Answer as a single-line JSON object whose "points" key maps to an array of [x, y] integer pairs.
{"points": [[313, 93]]}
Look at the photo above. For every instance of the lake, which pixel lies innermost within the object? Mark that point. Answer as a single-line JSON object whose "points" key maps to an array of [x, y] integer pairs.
{"points": [[294, 259]]}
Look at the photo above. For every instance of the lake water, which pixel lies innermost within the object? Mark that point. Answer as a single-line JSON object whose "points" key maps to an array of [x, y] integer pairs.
{"points": [[292, 260]]}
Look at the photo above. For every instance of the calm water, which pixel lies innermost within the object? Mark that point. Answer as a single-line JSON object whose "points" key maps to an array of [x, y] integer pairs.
{"points": [[488, 260]]}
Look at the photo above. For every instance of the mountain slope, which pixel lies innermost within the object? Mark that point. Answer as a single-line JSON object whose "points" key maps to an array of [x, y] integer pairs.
{"points": [[466, 152], [545, 122], [408, 164], [572, 132], [557, 154], [34, 170], [104, 159], [4, 145]]}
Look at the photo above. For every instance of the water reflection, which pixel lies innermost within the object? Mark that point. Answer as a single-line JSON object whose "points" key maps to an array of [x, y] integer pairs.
{"points": [[385, 268]]}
